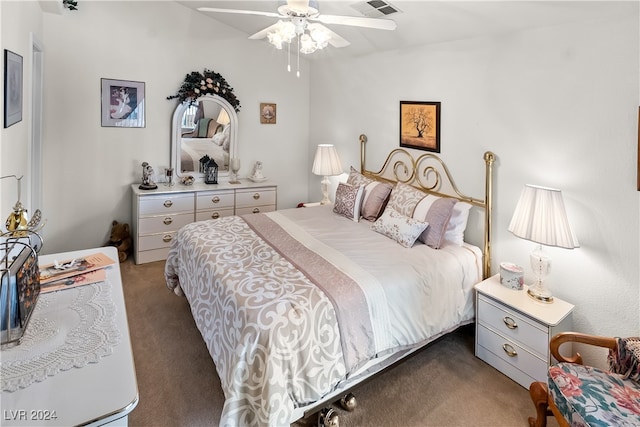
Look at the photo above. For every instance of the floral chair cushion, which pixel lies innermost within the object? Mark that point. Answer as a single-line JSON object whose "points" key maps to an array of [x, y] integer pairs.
{"points": [[588, 396]]}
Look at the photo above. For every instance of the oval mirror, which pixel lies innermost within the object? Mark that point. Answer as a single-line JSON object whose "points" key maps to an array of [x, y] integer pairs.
{"points": [[207, 126]]}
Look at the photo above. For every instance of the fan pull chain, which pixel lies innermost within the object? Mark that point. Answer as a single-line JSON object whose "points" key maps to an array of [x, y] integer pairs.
{"points": [[298, 71], [289, 57]]}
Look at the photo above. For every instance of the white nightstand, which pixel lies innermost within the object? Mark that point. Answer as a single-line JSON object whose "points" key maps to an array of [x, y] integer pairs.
{"points": [[513, 331]]}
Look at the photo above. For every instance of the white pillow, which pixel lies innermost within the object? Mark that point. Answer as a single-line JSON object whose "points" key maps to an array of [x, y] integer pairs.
{"points": [[457, 223], [401, 228]]}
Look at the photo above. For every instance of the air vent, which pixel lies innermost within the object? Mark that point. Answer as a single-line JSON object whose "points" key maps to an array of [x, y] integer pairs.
{"points": [[375, 8]]}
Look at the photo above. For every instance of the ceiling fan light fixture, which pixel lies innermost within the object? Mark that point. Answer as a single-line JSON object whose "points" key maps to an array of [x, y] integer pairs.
{"points": [[307, 45], [304, 8], [284, 32], [320, 36]]}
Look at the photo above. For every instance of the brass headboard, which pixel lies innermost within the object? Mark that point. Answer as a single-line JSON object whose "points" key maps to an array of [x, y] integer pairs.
{"points": [[429, 173]]}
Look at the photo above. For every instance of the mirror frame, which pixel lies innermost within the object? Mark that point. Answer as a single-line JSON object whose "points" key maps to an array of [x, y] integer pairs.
{"points": [[176, 134]]}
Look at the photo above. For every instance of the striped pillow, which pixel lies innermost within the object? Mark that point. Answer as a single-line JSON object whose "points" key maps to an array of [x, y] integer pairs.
{"points": [[376, 194]]}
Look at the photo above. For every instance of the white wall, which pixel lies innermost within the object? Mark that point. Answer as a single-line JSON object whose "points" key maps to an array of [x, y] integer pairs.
{"points": [[559, 108], [88, 168], [18, 21]]}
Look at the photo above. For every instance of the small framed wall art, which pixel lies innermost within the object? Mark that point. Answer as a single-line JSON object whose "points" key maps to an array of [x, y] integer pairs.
{"points": [[420, 125], [12, 88], [268, 113], [122, 103]]}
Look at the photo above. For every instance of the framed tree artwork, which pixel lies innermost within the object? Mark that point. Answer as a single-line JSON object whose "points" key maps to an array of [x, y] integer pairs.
{"points": [[420, 125], [12, 88]]}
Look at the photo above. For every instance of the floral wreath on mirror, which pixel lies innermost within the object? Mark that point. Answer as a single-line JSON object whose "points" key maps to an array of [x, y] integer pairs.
{"points": [[209, 82]]}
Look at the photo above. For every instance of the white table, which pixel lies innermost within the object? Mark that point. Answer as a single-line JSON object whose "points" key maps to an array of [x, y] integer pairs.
{"points": [[96, 394], [513, 330]]}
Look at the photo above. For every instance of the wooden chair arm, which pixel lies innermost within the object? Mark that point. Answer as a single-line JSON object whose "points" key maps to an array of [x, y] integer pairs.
{"points": [[564, 337]]}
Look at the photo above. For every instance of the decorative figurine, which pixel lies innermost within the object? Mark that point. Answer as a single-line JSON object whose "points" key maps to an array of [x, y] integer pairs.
{"points": [[147, 177], [257, 172]]}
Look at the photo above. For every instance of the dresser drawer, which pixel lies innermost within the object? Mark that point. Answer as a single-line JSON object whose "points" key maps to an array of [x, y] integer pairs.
{"points": [[255, 197], [155, 241], [255, 209], [166, 204], [512, 353], [213, 214], [514, 326], [215, 200], [163, 223]]}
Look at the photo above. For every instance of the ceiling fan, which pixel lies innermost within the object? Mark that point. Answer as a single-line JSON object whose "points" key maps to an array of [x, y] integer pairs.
{"points": [[301, 20]]}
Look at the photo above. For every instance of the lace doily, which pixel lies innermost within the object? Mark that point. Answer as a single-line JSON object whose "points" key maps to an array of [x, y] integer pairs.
{"points": [[58, 339]]}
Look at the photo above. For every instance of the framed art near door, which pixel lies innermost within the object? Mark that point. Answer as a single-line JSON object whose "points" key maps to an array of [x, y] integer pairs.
{"points": [[420, 125], [122, 103], [12, 88]]}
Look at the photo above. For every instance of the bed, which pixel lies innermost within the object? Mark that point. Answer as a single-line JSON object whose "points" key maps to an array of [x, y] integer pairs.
{"points": [[298, 306]]}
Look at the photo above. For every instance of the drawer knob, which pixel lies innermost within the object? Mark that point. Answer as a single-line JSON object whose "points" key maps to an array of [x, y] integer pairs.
{"points": [[168, 220], [511, 324], [256, 196], [508, 348], [167, 238], [256, 210], [215, 215], [168, 203], [215, 199]]}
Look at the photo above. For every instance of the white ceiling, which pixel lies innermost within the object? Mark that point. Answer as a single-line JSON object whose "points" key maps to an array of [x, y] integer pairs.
{"points": [[423, 22]]}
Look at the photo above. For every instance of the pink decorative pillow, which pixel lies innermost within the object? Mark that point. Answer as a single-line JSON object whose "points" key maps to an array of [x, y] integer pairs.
{"points": [[349, 200], [436, 211], [376, 194]]}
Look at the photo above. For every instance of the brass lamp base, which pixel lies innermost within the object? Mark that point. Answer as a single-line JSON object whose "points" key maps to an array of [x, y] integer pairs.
{"points": [[547, 299]]}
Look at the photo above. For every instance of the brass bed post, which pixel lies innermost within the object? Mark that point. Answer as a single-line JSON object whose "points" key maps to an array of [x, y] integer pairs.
{"points": [[363, 141], [489, 158]]}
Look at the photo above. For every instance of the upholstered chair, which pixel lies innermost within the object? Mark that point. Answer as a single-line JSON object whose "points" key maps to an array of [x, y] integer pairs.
{"points": [[578, 395]]}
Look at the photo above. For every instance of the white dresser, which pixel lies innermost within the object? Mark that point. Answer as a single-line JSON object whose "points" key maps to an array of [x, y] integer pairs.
{"points": [[159, 213], [513, 331]]}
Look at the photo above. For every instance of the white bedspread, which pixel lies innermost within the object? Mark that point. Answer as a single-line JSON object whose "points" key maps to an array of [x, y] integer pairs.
{"points": [[273, 332]]}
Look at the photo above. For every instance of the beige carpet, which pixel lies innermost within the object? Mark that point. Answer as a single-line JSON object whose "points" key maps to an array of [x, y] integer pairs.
{"points": [[443, 385]]}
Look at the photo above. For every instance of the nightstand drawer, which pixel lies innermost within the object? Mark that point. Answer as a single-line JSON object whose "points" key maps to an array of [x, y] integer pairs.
{"points": [[513, 354], [513, 326]]}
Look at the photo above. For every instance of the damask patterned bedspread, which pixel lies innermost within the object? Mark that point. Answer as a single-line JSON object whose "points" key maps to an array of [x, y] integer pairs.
{"points": [[291, 302]]}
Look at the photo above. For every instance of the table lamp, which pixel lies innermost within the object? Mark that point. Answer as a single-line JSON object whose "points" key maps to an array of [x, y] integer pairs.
{"points": [[540, 217], [326, 163]]}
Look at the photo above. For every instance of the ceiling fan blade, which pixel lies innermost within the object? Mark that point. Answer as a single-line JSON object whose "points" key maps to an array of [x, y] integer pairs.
{"points": [[356, 21], [240, 11], [335, 39], [263, 33]]}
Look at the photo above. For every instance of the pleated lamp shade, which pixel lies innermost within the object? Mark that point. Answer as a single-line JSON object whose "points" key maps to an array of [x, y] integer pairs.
{"points": [[540, 217], [327, 162]]}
